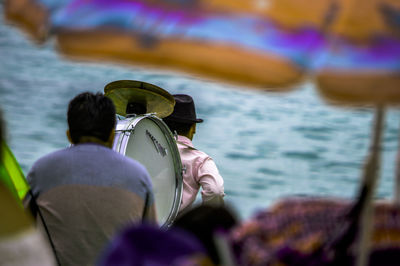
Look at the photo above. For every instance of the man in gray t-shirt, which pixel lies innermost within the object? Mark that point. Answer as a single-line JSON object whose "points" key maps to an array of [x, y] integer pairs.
{"points": [[88, 192]]}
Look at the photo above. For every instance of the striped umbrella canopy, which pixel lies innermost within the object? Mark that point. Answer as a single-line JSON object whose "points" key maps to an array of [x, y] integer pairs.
{"points": [[352, 53]]}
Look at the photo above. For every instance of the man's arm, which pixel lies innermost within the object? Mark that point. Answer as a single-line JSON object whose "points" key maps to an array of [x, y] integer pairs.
{"points": [[211, 182]]}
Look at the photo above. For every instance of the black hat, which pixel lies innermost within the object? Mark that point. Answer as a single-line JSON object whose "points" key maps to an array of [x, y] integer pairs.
{"points": [[184, 110]]}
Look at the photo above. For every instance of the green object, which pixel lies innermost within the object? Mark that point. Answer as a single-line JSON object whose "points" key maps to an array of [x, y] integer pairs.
{"points": [[11, 174]]}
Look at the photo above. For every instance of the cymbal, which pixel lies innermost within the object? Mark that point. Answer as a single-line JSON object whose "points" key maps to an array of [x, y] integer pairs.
{"points": [[156, 99]]}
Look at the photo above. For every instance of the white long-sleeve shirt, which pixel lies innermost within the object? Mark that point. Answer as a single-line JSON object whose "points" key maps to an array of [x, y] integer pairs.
{"points": [[199, 171]]}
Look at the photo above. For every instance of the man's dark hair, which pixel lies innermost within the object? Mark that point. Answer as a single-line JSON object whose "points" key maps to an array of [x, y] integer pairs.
{"points": [[92, 115], [180, 128]]}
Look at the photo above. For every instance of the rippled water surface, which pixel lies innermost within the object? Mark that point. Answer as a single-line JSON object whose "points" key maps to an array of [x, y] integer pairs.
{"points": [[266, 145]]}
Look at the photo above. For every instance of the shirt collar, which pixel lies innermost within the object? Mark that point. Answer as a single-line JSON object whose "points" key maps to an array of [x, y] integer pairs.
{"points": [[186, 141]]}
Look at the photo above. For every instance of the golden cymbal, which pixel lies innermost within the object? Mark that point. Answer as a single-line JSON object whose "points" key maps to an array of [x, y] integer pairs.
{"points": [[155, 99]]}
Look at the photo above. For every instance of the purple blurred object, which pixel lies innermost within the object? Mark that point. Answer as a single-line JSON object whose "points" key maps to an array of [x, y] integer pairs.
{"points": [[148, 245]]}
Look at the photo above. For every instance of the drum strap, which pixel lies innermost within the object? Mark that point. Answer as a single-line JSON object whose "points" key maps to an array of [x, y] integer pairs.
{"points": [[146, 207], [35, 209], [188, 147]]}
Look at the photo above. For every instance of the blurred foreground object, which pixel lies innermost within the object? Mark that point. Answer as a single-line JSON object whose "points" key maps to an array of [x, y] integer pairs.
{"points": [[149, 245], [352, 53], [11, 174], [20, 243], [315, 231]]}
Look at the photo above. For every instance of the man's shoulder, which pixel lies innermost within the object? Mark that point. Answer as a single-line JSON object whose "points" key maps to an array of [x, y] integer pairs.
{"points": [[85, 153], [76, 163], [200, 153], [193, 155], [52, 156]]}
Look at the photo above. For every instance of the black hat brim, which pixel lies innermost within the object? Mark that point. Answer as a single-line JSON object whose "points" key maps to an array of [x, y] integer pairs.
{"points": [[183, 120]]}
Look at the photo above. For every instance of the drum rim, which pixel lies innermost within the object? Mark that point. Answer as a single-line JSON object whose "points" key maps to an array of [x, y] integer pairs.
{"points": [[126, 132]]}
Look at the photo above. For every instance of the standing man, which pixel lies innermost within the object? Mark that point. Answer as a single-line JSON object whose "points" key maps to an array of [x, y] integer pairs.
{"points": [[199, 169], [84, 194]]}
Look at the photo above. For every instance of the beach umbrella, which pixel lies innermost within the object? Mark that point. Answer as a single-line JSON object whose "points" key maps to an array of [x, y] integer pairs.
{"points": [[349, 48], [271, 44], [192, 36]]}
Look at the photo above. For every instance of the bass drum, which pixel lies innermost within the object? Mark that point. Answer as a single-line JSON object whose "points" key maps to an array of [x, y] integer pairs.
{"points": [[147, 139]]}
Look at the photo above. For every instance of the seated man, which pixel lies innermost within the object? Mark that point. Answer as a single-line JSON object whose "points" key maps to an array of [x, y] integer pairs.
{"points": [[84, 194], [198, 168]]}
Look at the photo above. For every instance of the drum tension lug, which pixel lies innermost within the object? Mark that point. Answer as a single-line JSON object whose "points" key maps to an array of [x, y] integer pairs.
{"points": [[183, 169]]}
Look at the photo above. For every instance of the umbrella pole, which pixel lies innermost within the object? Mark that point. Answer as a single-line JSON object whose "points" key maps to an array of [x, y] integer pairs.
{"points": [[370, 177], [397, 174]]}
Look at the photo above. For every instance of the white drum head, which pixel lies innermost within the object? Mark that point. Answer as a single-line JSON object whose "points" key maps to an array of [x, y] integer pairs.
{"points": [[148, 140]]}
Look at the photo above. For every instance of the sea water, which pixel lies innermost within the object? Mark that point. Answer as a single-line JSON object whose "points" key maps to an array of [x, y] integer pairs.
{"points": [[266, 145]]}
